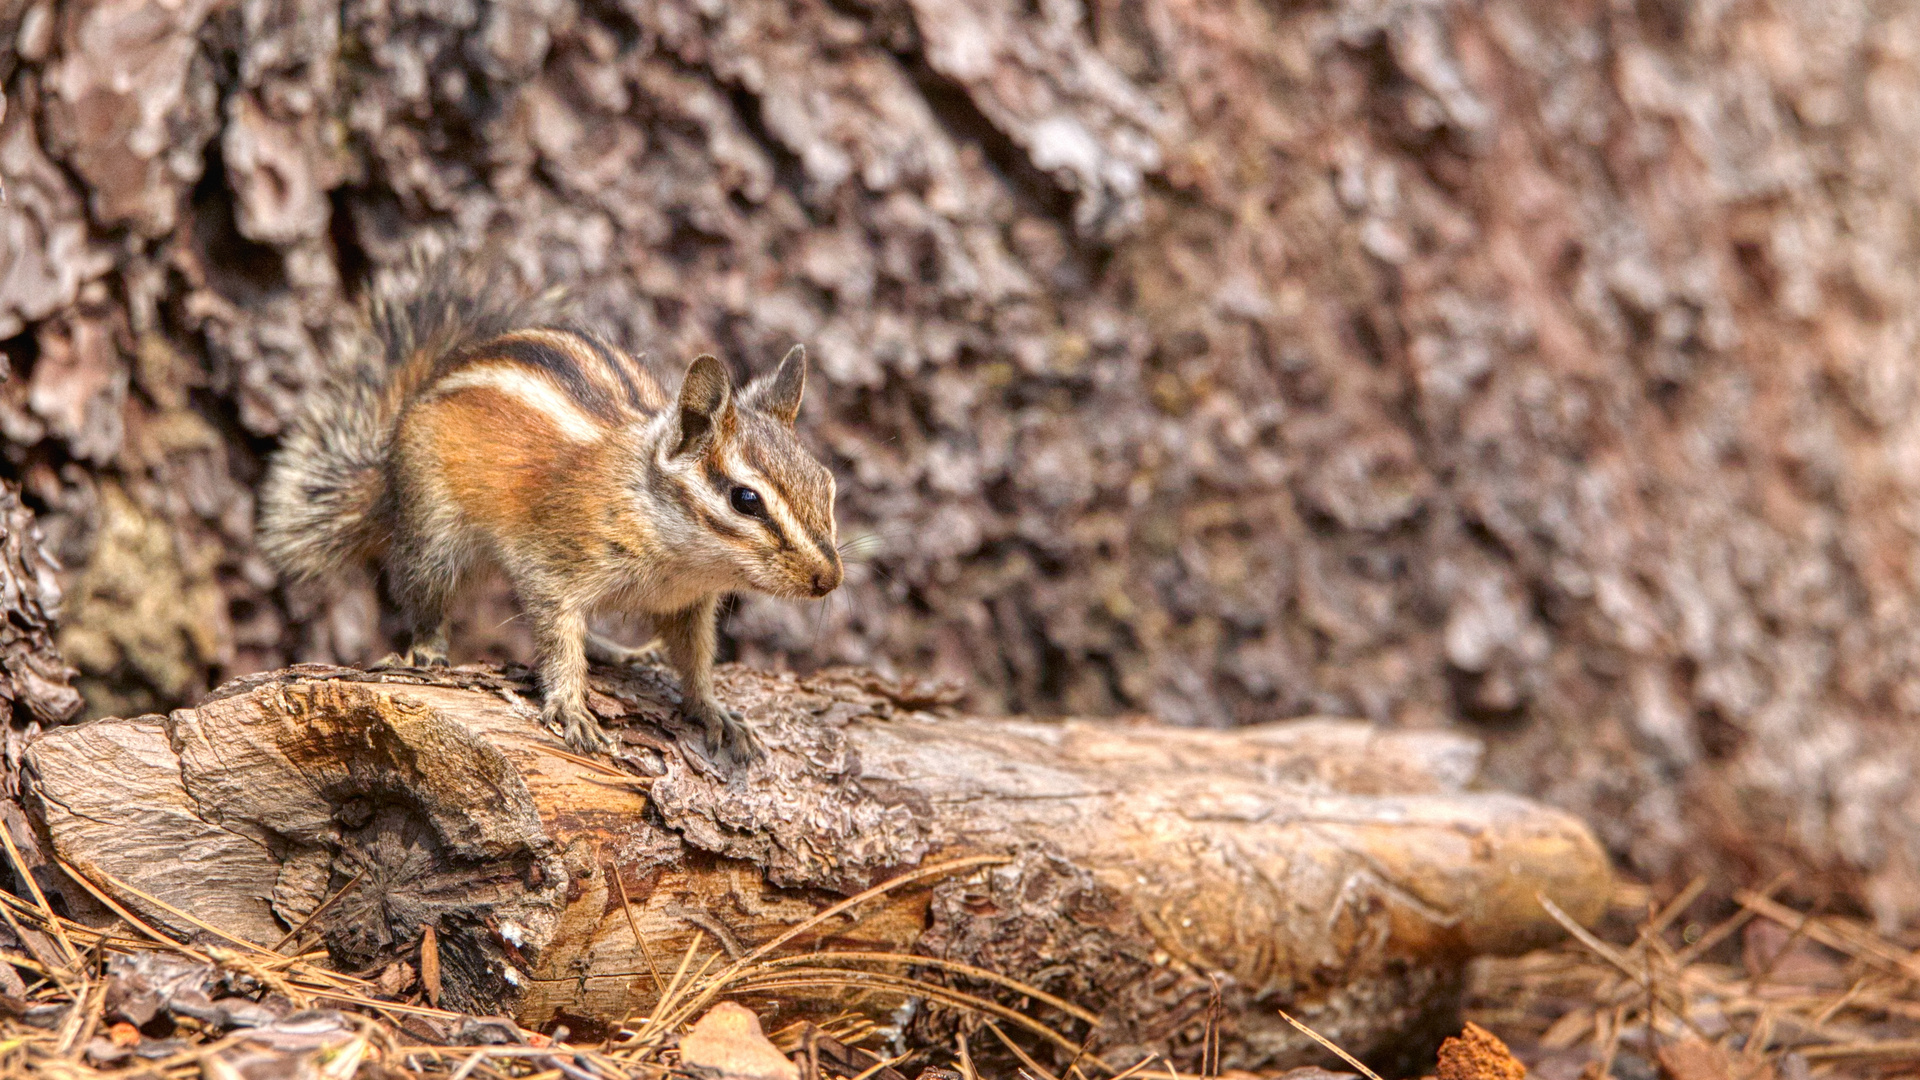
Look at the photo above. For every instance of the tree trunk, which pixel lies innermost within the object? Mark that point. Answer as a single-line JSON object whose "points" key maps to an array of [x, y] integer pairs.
{"points": [[1327, 867]]}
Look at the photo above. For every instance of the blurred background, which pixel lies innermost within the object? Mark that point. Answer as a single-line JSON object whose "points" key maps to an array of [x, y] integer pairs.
{"points": [[1543, 369]]}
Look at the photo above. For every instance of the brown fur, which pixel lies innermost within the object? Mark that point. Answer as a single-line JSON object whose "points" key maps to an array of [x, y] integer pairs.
{"points": [[563, 462]]}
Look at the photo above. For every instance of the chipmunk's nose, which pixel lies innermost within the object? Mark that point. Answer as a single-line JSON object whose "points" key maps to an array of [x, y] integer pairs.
{"points": [[825, 581]]}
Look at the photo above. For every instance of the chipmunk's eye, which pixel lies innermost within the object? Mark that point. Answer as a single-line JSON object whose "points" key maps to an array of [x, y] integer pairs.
{"points": [[747, 501]]}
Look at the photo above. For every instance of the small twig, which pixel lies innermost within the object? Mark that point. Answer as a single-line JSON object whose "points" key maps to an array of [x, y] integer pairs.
{"points": [[40, 898], [1843, 1001], [937, 869], [319, 911], [1679, 904], [1138, 1066], [1759, 978], [1025, 1059], [885, 1063], [87, 1006], [1619, 1020], [1855, 944], [626, 906], [1730, 924], [179, 914], [680, 974], [1585, 937], [908, 988], [1329, 1044], [1210, 1040], [1903, 1048], [955, 967], [597, 766], [1086, 1044], [6, 910], [734, 971], [132, 920]]}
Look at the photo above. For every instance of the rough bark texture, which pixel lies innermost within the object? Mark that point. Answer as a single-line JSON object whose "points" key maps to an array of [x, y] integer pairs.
{"points": [[1321, 866], [1539, 365], [34, 681]]}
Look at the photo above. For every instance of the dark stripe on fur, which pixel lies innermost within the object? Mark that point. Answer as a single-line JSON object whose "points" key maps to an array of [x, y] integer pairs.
{"points": [[750, 450], [563, 367], [720, 481], [779, 534], [618, 365], [827, 551], [716, 524]]}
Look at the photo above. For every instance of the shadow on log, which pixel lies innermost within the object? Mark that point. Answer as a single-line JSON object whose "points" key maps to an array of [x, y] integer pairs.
{"points": [[1338, 871]]}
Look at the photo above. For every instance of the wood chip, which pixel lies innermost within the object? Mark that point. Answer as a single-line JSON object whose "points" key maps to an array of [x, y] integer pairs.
{"points": [[1478, 1054]]}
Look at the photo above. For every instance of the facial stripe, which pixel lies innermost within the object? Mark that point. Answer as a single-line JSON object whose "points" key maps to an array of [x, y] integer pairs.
{"points": [[758, 479], [529, 389], [825, 547], [779, 534], [757, 461], [559, 355], [717, 524], [805, 528]]}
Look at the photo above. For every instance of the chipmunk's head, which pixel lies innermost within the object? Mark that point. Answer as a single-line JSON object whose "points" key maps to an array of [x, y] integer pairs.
{"points": [[759, 501]]}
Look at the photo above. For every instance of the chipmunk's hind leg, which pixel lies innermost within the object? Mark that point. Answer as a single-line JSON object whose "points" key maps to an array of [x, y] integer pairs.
{"points": [[422, 585], [429, 645]]}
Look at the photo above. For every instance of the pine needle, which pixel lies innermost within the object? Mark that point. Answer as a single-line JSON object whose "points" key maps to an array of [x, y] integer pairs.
{"points": [[1330, 1045]]}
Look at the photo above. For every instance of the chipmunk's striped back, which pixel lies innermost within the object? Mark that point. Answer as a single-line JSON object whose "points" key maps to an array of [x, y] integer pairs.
{"points": [[583, 379]]}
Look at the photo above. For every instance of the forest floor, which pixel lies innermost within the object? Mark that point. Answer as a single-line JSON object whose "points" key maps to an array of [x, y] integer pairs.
{"points": [[1765, 992]]}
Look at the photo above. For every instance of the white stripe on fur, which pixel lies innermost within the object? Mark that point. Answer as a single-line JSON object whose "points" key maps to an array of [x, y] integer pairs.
{"points": [[533, 390]]}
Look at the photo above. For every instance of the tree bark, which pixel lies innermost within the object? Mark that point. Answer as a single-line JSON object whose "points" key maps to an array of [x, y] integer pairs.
{"points": [[35, 683], [1342, 872]]}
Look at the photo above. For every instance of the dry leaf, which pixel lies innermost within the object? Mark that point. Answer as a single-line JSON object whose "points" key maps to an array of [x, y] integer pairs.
{"points": [[728, 1041], [394, 978], [430, 964]]}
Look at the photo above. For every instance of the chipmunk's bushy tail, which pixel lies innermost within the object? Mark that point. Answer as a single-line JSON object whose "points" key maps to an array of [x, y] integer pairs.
{"points": [[322, 506]]}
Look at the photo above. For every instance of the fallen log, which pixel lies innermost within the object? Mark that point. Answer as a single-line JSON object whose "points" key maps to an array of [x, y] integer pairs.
{"points": [[1169, 883]]}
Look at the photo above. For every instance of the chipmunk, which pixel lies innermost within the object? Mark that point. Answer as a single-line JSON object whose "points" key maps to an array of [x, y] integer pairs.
{"points": [[478, 433]]}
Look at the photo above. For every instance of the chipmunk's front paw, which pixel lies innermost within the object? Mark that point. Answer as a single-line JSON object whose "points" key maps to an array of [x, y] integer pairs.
{"points": [[582, 732], [730, 738]]}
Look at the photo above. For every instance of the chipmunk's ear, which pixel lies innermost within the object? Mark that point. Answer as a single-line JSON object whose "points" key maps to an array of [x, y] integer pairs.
{"points": [[706, 405], [778, 394]]}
